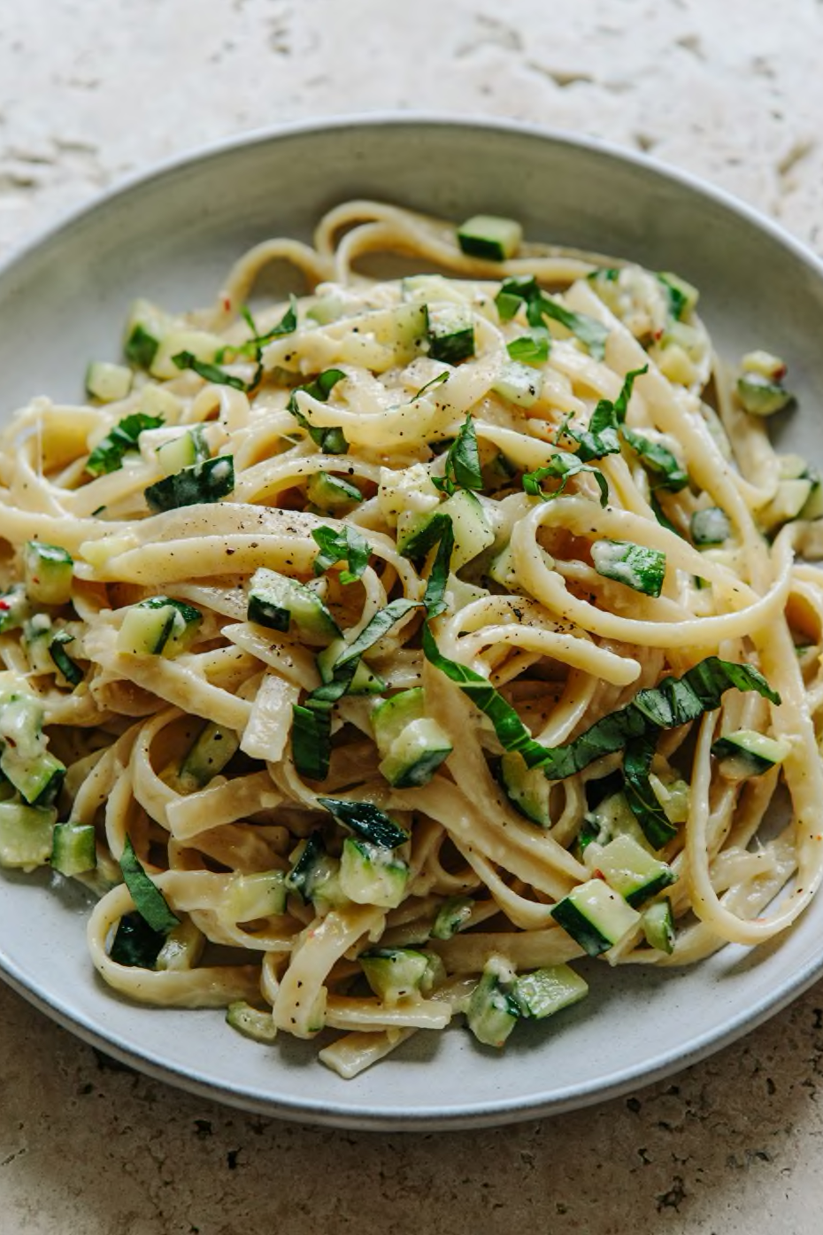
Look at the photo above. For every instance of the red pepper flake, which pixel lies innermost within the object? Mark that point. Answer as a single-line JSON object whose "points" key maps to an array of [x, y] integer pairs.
{"points": [[227, 303]]}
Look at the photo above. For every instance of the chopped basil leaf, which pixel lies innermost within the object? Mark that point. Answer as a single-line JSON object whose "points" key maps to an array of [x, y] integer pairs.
{"points": [[210, 372], [658, 459], [710, 526], [673, 702], [330, 440], [591, 333], [108, 454], [637, 788], [311, 728], [462, 462], [347, 545], [439, 574], [69, 668], [366, 821], [562, 466], [135, 943], [636, 566], [148, 899], [379, 625], [311, 738], [531, 348], [601, 437], [512, 733], [251, 347]]}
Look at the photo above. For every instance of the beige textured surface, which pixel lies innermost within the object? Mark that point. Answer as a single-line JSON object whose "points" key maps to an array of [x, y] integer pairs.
{"points": [[92, 89]]}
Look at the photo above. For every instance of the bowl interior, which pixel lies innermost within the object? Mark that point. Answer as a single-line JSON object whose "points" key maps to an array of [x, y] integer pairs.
{"points": [[171, 237]]}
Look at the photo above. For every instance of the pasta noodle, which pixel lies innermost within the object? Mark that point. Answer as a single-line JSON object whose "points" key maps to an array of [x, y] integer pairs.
{"points": [[372, 655]]}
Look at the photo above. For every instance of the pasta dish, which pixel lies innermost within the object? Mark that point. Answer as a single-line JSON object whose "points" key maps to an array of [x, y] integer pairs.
{"points": [[373, 655]]}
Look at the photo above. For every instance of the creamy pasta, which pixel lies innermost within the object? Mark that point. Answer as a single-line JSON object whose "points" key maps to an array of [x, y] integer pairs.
{"points": [[373, 655]]}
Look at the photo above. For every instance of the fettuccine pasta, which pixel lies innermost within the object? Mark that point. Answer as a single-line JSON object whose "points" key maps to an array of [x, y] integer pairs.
{"points": [[373, 656]]}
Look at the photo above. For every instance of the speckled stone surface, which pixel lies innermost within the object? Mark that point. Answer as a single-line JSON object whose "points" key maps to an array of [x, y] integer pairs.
{"points": [[91, 90]]}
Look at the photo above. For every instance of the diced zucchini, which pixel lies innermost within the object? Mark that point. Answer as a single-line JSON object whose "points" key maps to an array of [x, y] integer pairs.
{"points": [[208, 755], [401, 327], [683, 296], [37, 636], [765, 364], [610, 818], [450, 333], [813, 507], [407, 491], [397, 973], [33, 771], [145, 327], [492, 1012], [710, 526], [788, 502], [526, 788], [412, 745], [473, 532], [314, 874], [25, 835], [452, 916], [747, 753], [157, 401], [595, 916], [276, 601], [158, 626], [631, 870], [251, 1022], [372, 875], [257, 895], [760, 396], [108, 382], [48, 571], [636, 566], [519, 384], [73, 849], [14, 608], [490, 237], [545, 991], [182, 947], [414, 756], [331, 494], [208, 481], [657, 921], [184, 451]]}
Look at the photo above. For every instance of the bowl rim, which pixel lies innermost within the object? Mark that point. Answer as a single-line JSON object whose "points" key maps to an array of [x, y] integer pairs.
{"points": [[485, 1112]]}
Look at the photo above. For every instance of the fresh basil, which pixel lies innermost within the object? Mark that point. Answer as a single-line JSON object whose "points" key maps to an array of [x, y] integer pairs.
{"points": [[330, 440], [366, 821], [434, 598], [210, 372], [637, 789], [673, 702], [602, 435], [591, 333], [344, 546], [251, 347], [462, 462], [562, 466], [108, 454], [658, 460], [135, 943], [149, 901], [435, 381], [532, 348], [311, 727]]}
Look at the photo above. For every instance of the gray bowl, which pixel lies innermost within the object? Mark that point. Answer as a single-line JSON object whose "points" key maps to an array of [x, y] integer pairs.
{"points": [[171, 236]]}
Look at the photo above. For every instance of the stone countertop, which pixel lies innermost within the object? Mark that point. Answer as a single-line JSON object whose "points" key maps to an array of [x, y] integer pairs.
{"points": [[91, 90]]}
